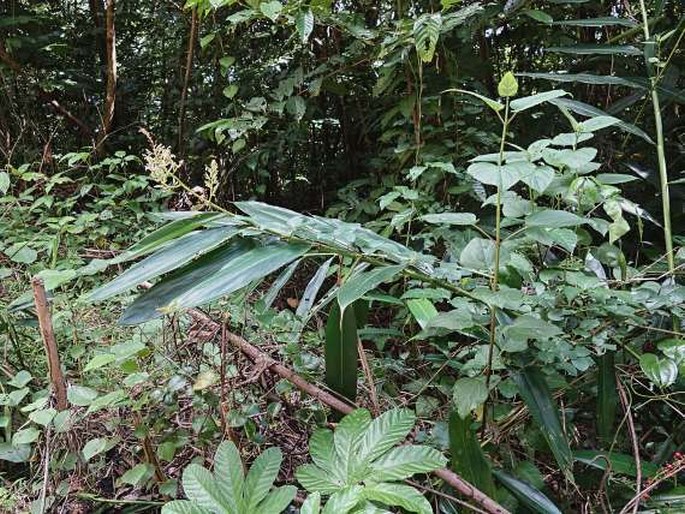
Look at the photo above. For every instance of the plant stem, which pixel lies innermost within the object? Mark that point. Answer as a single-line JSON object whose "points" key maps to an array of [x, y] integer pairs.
{"points": [[661, 155]]}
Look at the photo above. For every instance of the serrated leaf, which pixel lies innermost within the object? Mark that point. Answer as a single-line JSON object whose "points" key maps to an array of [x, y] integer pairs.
{"points": [[399, 495], [261, 477], [305, 24], [312, 505], [277, 500], [405, 461], [4, 182], [200, 486], [183, 507], [346, 436], [228, 468], [508, 85], [315, 479], [384, 432], [344, 501]]}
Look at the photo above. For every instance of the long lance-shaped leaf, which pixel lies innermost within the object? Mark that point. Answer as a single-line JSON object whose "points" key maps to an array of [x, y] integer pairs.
{"points": [[147, 306], [527, 494], [467, 457], [596, 50], [278, 284], [358, 284], [588, 110], [597, 22], [607, 398], [341, 352], [172, 256], [537, 397], [167, 233], [312, 289], [238, 273], [584, 78]]}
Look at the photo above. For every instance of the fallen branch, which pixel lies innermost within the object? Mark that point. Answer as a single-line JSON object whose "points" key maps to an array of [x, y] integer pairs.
{"points": [[449, 477]]}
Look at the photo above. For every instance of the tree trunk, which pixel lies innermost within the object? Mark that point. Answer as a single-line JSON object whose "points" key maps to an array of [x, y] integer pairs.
{"points": [[111, 93]]}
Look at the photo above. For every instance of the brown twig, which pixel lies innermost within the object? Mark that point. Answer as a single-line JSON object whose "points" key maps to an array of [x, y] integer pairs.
{"points": [[186, 79], [375, 406], [449, 477], [59, 385], [636, 449], [111, 92]]}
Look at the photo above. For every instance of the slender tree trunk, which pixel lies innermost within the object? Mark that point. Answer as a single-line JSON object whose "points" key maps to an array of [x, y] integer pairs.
{"points": [[186, 80], [111, 94]]}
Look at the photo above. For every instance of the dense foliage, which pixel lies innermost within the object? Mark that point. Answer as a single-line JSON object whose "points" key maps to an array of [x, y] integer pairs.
{"points": [[464, 218]]}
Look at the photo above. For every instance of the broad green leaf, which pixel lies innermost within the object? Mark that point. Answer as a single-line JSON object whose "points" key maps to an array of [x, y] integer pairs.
{"points": [[167, 233], [271, 9], [614, 462], [569, 158], [322, 450], [43, 416], [527, 494], [94, 447], [99, 361], [21, 254], [21, 379], [137, 475], [405, 461], [358, 284], [674, 349], [315, 479], [183, 507], [537, 397], [504, 176], [538, 178], [346, 437], [596, 50], [426, 34], [81, 396], [200, 486], [399, 495], [662, 372], [344, 501], [238, 272], [467, 457], [341, 351], [261, 476], [549, 218], [312, 505], [468, 394], [450, 218], [598, 123], [493, 104], [312, 289], [508, 85], [25, 436], [607, 397], [12, 453], [478, 254], [277, 500], [228, 469], [304, 24], [423, 310], [174, 255], [527, 102], [4, 182], [384, 432]]}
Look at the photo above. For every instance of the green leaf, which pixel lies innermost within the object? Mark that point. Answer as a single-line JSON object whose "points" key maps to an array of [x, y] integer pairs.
{"points": [[346, 436], [312, 505], [137, 475], [358, 284], [183, 507], [595, 50], [271, 9], [81, 396], [478, 254], [522, 104], [261, 477], [344, 501], [312, 289], [493, 104], [405, 461], [322, 450], [201, 487], [549, 218], [537, 397], [230, 91], [305, 24], [467, 457], [21, 379], [527, 494], [607, 397], [540, 16], [277, 500], [662, 372], [43, 417], [12, 453], [315, 479], [504, 176], [94, 447], [450, 218], [173, 256], [538, 178], [25, 436], [4, 182], [597, 22], [228, 469], [468, 394], [99, 361], [341, 352], [238, 272], [613, 462], [279, 283], [384, 432], [423, 310], [426, 34], [508, 86], [399, 495]]}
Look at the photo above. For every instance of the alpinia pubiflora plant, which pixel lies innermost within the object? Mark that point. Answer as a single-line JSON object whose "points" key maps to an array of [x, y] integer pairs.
{"points": [[359, 465], [228, 491], [537, 296]]}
